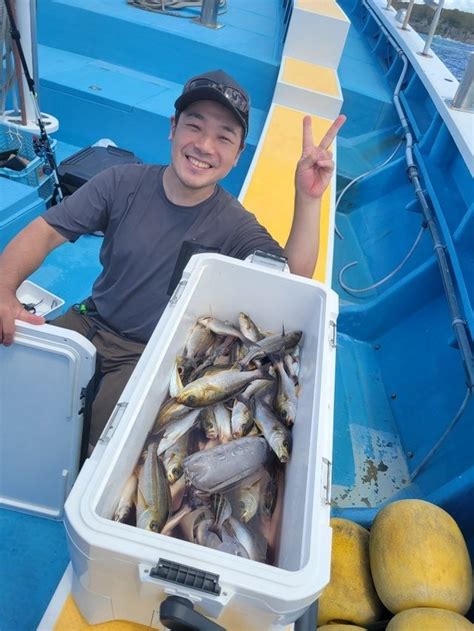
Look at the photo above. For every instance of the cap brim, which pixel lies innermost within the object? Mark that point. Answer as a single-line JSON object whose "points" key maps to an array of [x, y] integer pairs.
{"points": [[209, 94]]}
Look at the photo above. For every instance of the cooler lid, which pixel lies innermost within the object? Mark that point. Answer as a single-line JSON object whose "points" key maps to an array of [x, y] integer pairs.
{"points": [[42, 376]]}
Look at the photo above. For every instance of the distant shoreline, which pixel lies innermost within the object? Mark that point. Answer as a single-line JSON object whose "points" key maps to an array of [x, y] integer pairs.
{"points": [[453, 24]]}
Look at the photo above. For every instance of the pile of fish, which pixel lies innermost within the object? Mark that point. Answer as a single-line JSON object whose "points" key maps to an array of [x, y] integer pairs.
{"points": [[211, 469]]}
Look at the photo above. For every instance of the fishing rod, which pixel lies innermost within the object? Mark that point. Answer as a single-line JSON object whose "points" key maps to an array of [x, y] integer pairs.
{"points": [[41, 145]]}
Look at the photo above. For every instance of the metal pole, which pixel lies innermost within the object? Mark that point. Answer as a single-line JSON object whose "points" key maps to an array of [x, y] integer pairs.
{"points": [[389, 5], [434, 24], [208, 15], [404, 26], [464, 97]]}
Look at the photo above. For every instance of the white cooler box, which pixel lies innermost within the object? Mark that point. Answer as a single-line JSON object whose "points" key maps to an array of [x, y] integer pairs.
{"points": [[113, 562]]}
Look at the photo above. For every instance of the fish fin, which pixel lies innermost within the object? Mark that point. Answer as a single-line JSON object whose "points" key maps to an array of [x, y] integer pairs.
{"points": [[283, 329]]}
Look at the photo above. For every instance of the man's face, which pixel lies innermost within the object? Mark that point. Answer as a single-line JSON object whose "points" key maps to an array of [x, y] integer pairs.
{"points": [[206, 144]]}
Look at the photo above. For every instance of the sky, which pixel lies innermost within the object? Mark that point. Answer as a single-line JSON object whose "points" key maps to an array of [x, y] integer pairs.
{"points": [[462, 5]]}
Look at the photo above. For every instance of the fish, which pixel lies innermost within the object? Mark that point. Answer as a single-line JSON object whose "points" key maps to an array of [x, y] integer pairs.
{"points": [[222, 416], [153, 493], [286, 399], [222, 510], [199, 340], [247, 499], [190, 522], [271, 345], [175, 519], [216, 388], [176, 384], [221, 327], [241, 419], [176, 429], [169, 411], [223, 466], [248, 328], [255, 548], [126, 507], [277, 434], [173, 459], [208, 423]]}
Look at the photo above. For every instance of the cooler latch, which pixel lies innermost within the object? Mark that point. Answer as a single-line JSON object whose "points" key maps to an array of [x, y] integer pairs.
{"points": [[186, 576], [326, 481], [113, 422], [332, 334]]}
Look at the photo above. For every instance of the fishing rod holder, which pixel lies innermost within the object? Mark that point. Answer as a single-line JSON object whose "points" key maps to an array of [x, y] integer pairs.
{"points": [[208, 17], [464, 98]]}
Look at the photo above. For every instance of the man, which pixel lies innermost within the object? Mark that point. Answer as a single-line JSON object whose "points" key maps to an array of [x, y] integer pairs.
{"points": [[146, 212]]}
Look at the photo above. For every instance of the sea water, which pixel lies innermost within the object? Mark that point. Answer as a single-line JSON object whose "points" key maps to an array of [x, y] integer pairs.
{"points": [[453, 54]]}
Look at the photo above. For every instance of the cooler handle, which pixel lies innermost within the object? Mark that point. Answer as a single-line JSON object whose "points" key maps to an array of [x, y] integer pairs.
{"points": [[178, 614]]}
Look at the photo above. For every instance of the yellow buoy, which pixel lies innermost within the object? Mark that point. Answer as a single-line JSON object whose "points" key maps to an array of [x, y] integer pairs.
{"points": [[419, 558], [429, 618], [350, 595]]}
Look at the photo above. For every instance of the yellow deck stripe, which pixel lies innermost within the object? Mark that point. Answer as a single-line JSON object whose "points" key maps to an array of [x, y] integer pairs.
{"points": [[70, 619], [310, 76], [327, 8], [270, 195]]}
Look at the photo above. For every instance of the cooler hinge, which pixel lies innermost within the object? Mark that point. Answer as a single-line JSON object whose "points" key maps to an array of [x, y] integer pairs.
{"points": [[326, 472], [113, 422], [178, 292], [273, 261]]}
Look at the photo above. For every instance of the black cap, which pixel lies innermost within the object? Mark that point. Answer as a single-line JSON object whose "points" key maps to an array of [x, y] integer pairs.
{"points": [[218, 86]]}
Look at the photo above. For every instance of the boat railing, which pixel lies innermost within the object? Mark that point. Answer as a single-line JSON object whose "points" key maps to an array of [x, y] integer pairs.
{"points": [[464, 98], [437, 8]]}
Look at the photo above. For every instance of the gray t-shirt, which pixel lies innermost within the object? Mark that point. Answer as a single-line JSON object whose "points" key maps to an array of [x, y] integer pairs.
{"points": [[143, 235]]}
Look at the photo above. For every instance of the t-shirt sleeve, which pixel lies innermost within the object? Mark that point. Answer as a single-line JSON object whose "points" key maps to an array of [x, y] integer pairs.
{"points": [[87, 210], [250, 236]]}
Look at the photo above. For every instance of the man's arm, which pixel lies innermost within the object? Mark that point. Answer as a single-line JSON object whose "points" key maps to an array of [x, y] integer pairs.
{"points": [[22, 256], [313, 174]]}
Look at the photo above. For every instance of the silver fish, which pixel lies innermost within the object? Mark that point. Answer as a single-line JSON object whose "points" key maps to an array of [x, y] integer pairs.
{"points": [[247, 498], [248, 328], [222, 416], [176, 384], [272, 344], [221, 327], [175, 519], [216, 388], [223, 466], [126, 505], [153, 493], [286, 399], [169, 411], [176, 429], [198, 342], [208, 423], [277, 434], [173, 459], [241, 420], [254, 546]]}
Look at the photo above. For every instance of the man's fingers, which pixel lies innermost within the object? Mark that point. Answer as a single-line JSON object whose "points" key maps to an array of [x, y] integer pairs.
{"points": [[7, 330], [31, 318], [308, 141], [331, 133]]}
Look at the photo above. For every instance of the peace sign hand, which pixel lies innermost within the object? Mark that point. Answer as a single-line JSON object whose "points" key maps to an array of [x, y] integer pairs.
{"points": [[315, 167]]}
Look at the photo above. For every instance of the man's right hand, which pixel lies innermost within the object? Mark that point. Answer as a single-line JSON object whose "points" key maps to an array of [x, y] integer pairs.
{"points": [[11, 309]]}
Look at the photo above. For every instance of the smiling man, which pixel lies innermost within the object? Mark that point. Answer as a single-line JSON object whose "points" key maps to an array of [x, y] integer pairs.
{"points": [[148, 213]]}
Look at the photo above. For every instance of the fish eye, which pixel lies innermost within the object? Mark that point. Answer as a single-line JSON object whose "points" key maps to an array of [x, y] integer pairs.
{"points": [[191, 399], [154, 526]]}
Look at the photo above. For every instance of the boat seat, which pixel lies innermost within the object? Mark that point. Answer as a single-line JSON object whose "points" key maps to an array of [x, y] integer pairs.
{"points": [[269, 189]]}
